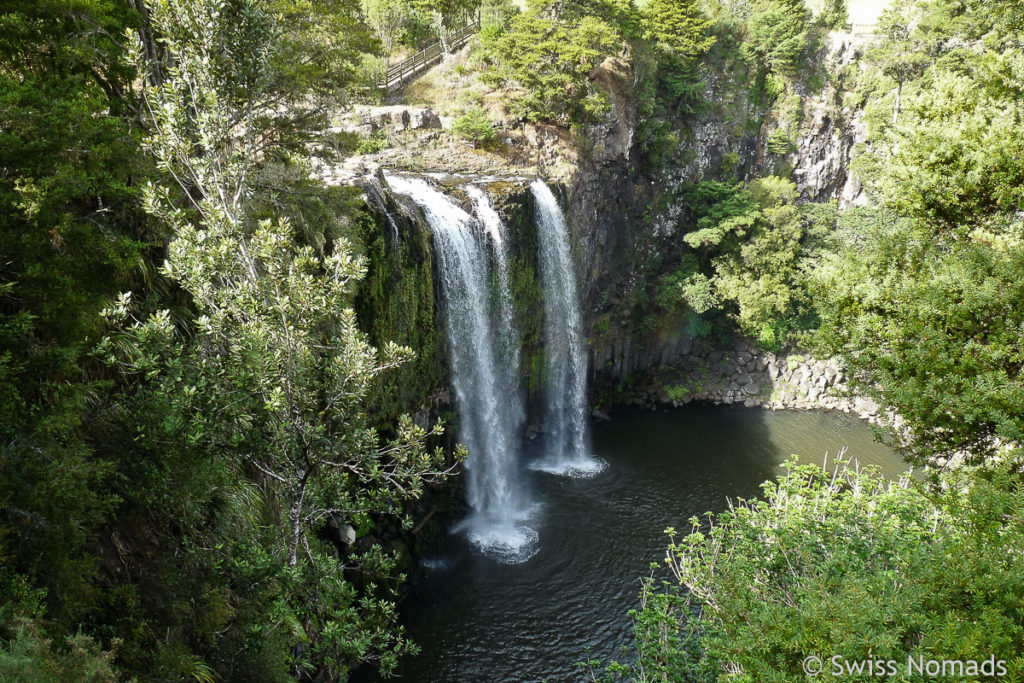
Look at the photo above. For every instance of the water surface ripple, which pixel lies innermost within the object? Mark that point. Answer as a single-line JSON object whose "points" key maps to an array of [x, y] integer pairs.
{"points": [[479, 620]]}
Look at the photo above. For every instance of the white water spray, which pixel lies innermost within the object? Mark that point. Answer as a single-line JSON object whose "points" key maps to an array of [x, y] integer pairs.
{"points": [[489, 406], [565, 419], [507, 333]]}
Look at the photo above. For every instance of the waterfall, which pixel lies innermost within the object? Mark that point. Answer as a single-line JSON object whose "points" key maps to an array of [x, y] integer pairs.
{"points": [[484, 364], [507, 331], [565, 418]]}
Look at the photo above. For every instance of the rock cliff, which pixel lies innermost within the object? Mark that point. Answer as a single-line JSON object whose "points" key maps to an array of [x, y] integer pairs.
{"points": [[623, 211]]}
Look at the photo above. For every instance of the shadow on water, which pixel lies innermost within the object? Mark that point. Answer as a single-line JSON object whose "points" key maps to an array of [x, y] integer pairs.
{"points": [[478, 620]]}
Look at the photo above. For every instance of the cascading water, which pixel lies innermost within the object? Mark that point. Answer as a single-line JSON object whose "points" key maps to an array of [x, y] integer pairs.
{"points": [[507, 335], [489, 408], [565, 419]]}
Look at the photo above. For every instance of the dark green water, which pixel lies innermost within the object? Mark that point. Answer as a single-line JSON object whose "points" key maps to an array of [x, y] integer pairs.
{"points": [[478, 620]]}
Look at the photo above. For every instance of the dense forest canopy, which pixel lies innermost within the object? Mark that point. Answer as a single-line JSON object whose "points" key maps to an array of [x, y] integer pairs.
{"points": [[190, 408]]}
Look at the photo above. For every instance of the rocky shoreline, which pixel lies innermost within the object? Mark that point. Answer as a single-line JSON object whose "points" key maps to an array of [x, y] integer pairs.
{"points": [[740, 373]]}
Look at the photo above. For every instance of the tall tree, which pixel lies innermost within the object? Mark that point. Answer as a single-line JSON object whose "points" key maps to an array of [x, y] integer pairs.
{"points": [[679, 28], [386, 18], [70, 237], [276, 371], [447, 16], [777, 35]]}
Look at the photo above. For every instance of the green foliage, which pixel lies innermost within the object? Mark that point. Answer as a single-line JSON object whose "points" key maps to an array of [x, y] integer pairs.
{"points": [[936, 329], [669, 84], [396, 303], [779, 143], [548, 54], [922, 297], [686, 284], [777, 35], [139, 507], [27, 655], [446, 16], [497, 13], [845, 564], [751, 246], [30, 657], [386, 18], [957, 149], [678, 28], [374, 143], [275, 376], [70, 236], [834, 14], [476, 127]]}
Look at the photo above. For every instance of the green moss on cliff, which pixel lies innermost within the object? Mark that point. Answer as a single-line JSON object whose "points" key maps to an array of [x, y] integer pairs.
{"points": [[396, 303]]}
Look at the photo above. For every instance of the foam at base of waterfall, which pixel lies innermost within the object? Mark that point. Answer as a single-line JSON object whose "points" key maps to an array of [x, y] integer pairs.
{"points": [[436, 564], [508, 540], [508, 544], [577, 468]]}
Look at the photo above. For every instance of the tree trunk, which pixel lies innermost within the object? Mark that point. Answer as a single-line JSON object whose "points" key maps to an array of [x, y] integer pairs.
{"points": [[442, 33], [898, 103], [295, 529], [155, 56]]}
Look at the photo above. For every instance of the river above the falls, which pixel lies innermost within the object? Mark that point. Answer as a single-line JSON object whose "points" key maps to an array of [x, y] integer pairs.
{"points": [[478, 620]]}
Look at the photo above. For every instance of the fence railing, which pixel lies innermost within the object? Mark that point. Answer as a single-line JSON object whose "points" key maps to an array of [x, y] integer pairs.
{"points": [[860, 29], [398, 74]]}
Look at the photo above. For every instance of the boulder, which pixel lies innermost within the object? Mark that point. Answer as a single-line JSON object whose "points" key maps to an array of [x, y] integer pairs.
{"points": [[400, 120], [423, 118], [339, 533], [865, 406]]}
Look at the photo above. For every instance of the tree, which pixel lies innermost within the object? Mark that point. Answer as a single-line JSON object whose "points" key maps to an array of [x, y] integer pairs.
{"points": [[930, 329], [678, 28], [753, 244], [898, 52], [840, 563], [70, 238], [447, 16], [957, 151], [495, 14], [549, 59], [275, 375], [834, 14], [777, 35], [921, 299], [475, 127], [386, 18]]}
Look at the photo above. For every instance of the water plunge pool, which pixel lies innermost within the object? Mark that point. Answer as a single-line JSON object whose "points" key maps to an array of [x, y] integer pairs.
{"points": [[479, 620]]}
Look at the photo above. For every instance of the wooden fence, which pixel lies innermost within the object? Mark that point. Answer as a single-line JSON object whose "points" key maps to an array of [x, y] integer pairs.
{"points": [[399, 74], [860, 29]]}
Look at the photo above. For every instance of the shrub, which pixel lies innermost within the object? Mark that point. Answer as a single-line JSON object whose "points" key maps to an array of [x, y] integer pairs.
{"points": [[842, 564], [374, 143], [475, 127]]}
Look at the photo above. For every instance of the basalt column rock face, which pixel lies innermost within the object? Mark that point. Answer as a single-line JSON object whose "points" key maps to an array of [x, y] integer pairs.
{"points": [[627, 217], [828, 134]]}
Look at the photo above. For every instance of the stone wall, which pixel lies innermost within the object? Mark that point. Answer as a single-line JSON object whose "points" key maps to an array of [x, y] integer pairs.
{"points": [[740, 373]]}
